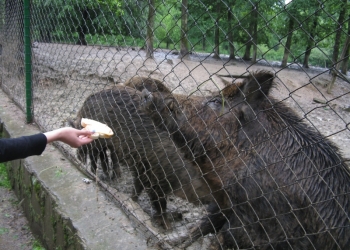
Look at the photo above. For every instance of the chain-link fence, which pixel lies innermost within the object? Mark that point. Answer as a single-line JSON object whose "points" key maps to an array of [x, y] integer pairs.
{"points": [[230, 118]]}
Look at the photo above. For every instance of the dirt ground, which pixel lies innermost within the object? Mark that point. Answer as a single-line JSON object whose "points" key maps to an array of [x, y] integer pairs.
{"points": [[15, 233], [66, 74]]}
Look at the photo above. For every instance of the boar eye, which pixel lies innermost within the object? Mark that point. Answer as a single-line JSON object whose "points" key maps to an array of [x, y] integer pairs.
{"points": [[216, 101]]}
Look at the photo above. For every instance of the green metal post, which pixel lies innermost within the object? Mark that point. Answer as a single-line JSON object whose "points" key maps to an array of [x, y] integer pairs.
{"points": [[28, 60]]}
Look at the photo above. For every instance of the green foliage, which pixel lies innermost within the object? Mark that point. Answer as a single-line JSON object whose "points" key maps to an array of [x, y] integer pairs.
{"points": [[58, 19], [321, 57], [4, 180], [37, 245], [270, 54], [124, 23], [168, 23]]}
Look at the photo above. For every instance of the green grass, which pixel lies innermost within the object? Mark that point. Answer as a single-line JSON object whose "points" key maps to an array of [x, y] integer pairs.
{"points": [[4, 180], [3, 230], [37, 245]]}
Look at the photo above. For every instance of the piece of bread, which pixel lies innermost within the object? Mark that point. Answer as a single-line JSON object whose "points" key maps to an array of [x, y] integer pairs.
{"points": [[99, 129]]}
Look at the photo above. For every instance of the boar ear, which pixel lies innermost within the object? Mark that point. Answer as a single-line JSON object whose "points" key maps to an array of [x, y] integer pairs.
{"points": [[158, 100], [172, 104], [257, 86]]}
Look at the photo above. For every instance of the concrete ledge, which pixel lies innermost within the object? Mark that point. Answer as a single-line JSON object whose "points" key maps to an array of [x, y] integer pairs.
{"points": [[63, 211]]}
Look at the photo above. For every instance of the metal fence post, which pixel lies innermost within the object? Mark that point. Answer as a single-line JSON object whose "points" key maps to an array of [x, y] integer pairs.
{"points": [[28, 61]]}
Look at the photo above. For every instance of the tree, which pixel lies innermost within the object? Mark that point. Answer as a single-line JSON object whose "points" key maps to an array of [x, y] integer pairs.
{"points": [[310, 40], [345, 61], [80, 17], [287, 47], [339, 31], [255, 31], [82, 27], [199, 23], [217, 31], [150, 27], [301, 18], [252, 30], [133, 12], [89, 10], [184, 53], [232, 55], [167, 23]]}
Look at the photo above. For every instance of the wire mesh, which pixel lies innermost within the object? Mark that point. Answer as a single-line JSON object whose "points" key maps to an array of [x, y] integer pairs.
{"points": [[231, 118]]}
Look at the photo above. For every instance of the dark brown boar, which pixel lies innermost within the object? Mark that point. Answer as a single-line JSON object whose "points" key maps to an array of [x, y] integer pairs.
{"points": [[285, 185], [97, 150], [151, 84], [155, 162]]}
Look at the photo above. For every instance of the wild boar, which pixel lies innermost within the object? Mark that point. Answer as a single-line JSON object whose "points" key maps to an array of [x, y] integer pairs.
{"points": [[157, 165], [281, 184]]}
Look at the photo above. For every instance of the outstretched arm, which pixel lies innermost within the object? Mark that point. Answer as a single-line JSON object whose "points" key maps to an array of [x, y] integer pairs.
{"points": [[71, 136], [22, 147]]}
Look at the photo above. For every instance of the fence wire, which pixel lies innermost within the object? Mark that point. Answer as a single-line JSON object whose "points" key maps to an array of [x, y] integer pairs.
{"points": [[230, 118]]}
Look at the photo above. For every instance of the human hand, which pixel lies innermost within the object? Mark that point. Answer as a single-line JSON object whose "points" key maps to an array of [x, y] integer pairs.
{"points": [[71, 136]]}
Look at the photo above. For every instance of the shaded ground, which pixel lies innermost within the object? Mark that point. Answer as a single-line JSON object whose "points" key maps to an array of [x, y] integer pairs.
{"points": [[14, 230]]}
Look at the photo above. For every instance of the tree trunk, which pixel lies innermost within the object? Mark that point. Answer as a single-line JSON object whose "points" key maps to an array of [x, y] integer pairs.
{"points": [[150, 27], [217, 33], [344, 66], [338, 34], [82, 29], [288, 42], [183, 40], [255, 32], [249, 43], [246, 56], [230, 35], [336, 47], [45, 36], [336, 69], [310, 41], [204, 45], [307, 56]]}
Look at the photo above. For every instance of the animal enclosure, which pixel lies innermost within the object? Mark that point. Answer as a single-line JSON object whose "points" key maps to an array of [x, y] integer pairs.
{"points": [[230, 118]]}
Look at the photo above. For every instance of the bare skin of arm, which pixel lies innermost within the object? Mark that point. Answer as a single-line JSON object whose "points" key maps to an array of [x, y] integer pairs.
{"points": [[71, 136]]}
